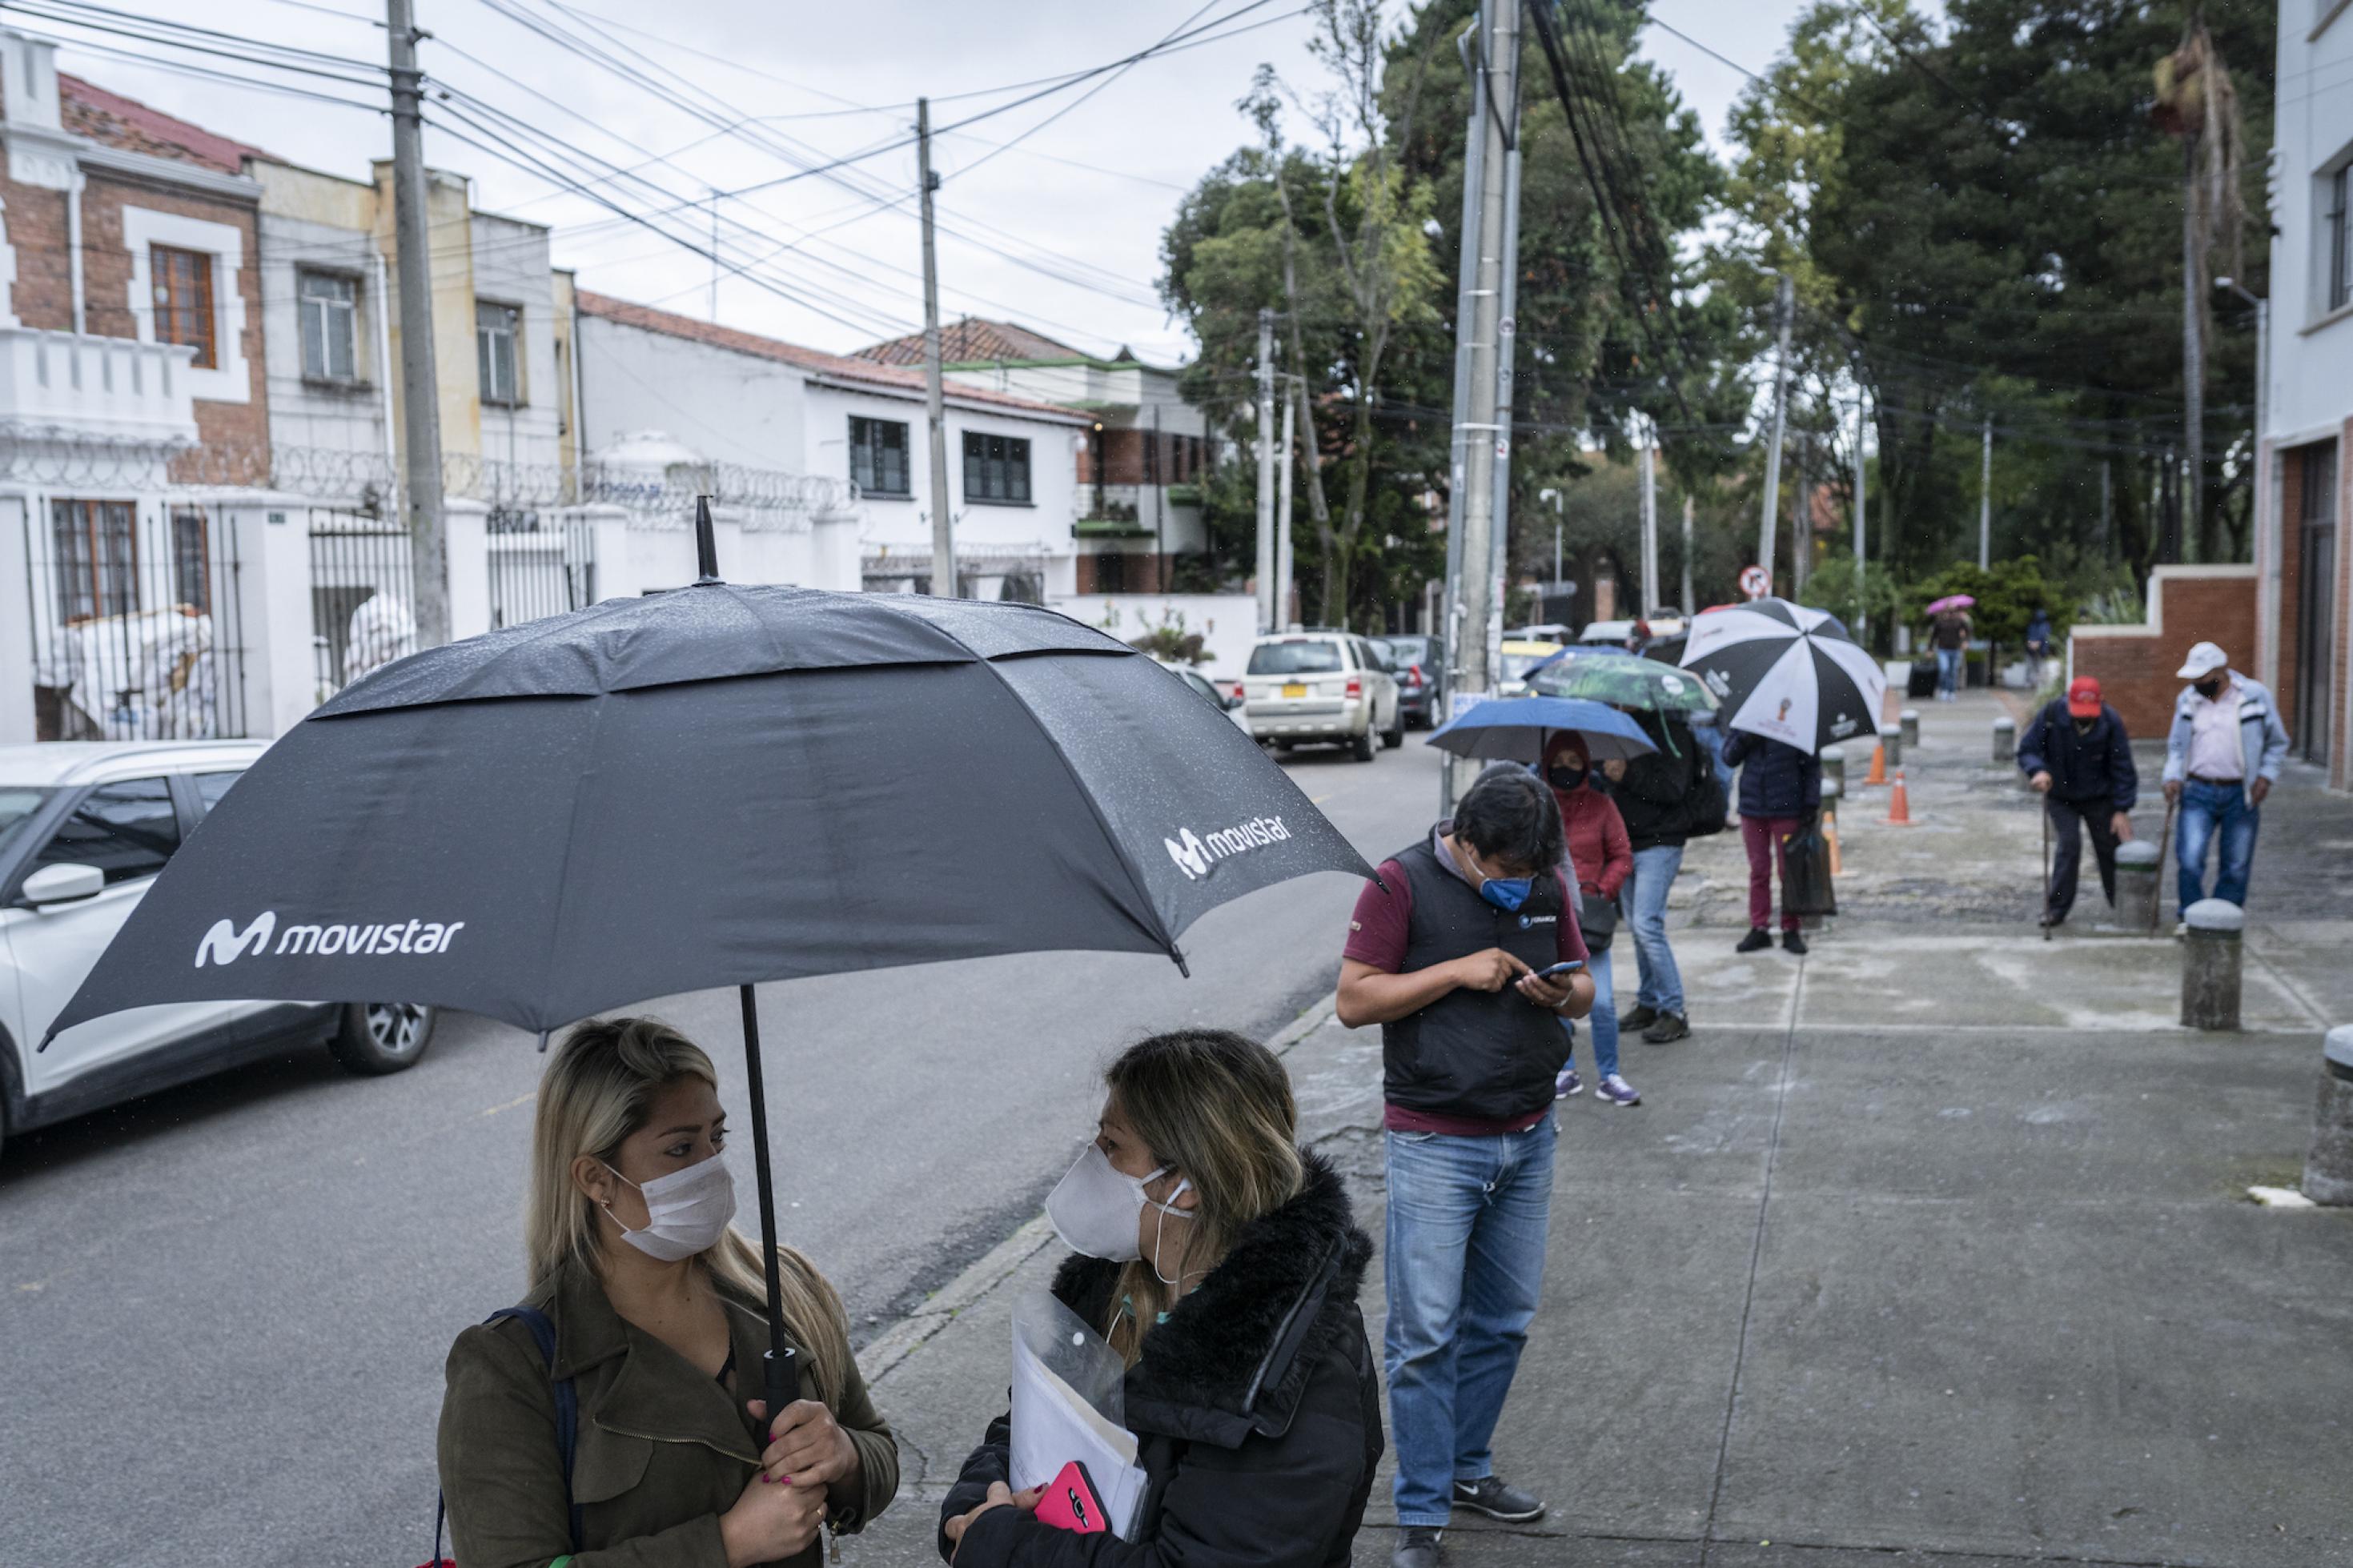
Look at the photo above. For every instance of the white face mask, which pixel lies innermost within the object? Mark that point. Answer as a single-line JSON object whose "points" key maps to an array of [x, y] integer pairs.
{"points": [[686, 1210], [1094, 1208]]}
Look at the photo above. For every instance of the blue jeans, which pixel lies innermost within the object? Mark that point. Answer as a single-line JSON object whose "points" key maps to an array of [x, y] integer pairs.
{"points": [[1464, 1270], [1948, 671], [1604, 1019], [1646, 921], [2206, 807]]}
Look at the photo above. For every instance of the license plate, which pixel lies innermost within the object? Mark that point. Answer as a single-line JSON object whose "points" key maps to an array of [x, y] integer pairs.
{"points": [[1294, 688]]}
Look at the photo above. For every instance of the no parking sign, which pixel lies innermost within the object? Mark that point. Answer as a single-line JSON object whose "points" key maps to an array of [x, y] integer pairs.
{"points": [[1756, 582]]}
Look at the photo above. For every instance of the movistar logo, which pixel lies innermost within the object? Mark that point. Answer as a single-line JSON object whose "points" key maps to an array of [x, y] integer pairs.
{"points": [[223, 944], [1194, 854]]}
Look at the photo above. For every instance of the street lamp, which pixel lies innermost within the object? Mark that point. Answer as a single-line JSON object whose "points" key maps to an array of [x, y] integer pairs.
{"points": [[2267, 538]]}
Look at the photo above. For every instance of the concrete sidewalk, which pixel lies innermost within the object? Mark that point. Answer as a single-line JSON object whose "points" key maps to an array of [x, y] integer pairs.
{"points": [[1931, 1247]]}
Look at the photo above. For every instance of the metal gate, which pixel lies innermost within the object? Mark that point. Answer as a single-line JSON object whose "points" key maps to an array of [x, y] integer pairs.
{"points": [[538, 568], [138, 628], [363, 596]]}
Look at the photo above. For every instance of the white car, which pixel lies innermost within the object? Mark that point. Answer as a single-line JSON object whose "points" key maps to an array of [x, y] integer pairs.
{"points": [[1321, 687], [83, 830]]}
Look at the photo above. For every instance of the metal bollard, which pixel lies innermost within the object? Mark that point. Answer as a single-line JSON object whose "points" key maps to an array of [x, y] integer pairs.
{"points": [[1890, 737], [1911, 726], [2328, 1167], [2209, 965], [2139, 884], [1833, 767], [2005, 739]]}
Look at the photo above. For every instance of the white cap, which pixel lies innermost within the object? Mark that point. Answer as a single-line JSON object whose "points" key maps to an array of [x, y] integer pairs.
{"points": [[2204, 659]]}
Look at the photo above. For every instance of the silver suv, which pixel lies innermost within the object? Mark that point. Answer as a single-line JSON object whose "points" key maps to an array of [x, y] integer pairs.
{"points": [[83, 830], [1322, 686]]}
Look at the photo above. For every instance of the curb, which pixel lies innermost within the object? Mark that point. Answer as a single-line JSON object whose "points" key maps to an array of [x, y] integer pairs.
{"points": [[1001, 1262]]}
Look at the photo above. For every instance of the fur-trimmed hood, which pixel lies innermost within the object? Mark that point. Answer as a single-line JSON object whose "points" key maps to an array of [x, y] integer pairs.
{"points": [[1235, 1355]]}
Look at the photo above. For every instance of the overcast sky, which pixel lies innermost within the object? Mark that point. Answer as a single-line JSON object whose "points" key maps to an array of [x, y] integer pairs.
{"points": [[1061, 232]]}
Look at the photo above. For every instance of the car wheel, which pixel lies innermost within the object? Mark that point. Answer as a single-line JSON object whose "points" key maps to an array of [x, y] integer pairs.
{"points": [[378, 1038], [1394, 736], [1361, 748]]}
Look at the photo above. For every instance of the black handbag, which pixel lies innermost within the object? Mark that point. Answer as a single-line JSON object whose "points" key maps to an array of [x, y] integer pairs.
{"points": [[1806, 887], [1596, 919], [1709, 804]]}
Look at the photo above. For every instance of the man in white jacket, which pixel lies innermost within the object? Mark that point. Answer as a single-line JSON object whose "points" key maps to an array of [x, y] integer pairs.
{"points": [[2223, 753]]}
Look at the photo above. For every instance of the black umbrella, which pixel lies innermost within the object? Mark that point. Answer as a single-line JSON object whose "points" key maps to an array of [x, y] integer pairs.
{"points": [[714, 786], [1786, 673]]}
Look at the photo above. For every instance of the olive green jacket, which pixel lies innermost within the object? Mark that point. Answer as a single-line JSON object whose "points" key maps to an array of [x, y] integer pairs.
{"points": [[662, 1451]]}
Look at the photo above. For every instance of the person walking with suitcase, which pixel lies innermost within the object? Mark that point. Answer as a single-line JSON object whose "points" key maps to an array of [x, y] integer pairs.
{"points": [[2078, 758]]}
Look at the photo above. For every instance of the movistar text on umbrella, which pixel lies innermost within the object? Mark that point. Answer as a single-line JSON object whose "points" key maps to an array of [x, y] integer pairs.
{"points": [[1193, 853], [224, 944]]}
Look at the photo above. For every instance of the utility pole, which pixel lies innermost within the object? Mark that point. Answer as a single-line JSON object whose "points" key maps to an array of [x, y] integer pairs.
{"points": [[1506, 332], [2193, 354], [1453, 608], [944, 571], [714, 255], [1861, 557], [1479, 434], [420, 392], [1266, 553], [2106, 513], [1283, 518], [1691, 606], [1985, 500], [1649, 600], [1801, 519], [1785, 305]]}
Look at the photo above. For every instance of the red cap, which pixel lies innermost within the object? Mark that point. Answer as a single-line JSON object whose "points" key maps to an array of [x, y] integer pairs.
{"points": [[2083, 697]]}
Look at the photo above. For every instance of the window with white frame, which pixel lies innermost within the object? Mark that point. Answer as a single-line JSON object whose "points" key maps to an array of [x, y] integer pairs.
{"points": [[996, 468], [498, 346], [184, 302], [330, 312], [878, 455]]}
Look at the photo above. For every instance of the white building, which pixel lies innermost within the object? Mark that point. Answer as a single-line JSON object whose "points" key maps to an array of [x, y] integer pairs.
{"points": [[748, 406], [2304, 604]]}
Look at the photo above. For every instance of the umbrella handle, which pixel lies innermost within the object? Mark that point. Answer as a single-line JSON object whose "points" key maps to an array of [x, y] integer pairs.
{"points": [[780, 1372]]}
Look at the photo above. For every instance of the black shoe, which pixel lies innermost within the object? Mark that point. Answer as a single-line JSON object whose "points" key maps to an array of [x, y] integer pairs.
{"points": [[1758, 938], [1793, 942], [1417, 1547], [1669, 1027], [1640, 1019], [1490, 1497], [2051, 920]]}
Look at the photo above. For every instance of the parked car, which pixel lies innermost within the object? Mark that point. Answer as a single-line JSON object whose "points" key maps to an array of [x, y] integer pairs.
{"points": [[1515, 659], [1209, 691], [1666, 640], [84, 828], [1553, 632], [1420, 668], [1332, 687]]}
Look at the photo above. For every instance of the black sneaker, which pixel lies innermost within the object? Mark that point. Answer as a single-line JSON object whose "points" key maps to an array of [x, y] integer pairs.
{"points": [[1417, 1547], [1490, 1497], [1758, 938], [2051, 920], [1640, 1019], [1670, 1026], [1793, 942]]}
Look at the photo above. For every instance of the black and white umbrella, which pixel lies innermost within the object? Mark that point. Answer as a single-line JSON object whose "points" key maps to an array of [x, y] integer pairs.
{"points": [[1786, 673]]}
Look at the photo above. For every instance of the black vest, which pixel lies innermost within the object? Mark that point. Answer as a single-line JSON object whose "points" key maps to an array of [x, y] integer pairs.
{"points": [[1475, 1053]]}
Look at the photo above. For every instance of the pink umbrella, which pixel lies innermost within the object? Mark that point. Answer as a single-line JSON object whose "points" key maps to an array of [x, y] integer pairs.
{"points": [[1951, 602]]}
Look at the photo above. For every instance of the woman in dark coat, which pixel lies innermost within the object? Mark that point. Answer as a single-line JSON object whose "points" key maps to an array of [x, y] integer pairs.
{"points": [[1251, 1388], [1780, 791]]}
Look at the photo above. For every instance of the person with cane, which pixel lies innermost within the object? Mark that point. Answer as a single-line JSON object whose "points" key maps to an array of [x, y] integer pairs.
{"points": [[2078, 757]]}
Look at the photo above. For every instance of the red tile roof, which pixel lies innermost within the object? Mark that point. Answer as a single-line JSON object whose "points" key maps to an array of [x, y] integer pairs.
{"points": [[883, 377], [89, 110], [973, 341]]}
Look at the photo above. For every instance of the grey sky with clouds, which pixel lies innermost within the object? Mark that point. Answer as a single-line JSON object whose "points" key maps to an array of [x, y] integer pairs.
{"points": [[1061, 232]]}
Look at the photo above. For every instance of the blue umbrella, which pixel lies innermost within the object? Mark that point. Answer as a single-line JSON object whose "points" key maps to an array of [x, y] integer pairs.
{"points": [[1513, 729]]}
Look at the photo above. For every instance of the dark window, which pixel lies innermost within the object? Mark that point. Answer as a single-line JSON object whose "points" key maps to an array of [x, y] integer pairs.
{"points": [[126, 830], [183, 300], [1110, 572], [1301, 657], [2340, 239], [878, 455], [497, 336], [191, 559], [996, 468], [330, 316], [98, 558], [210, 787]]}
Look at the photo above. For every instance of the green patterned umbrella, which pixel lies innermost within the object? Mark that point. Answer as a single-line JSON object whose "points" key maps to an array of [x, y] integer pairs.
{"points": [[1623, 680]]}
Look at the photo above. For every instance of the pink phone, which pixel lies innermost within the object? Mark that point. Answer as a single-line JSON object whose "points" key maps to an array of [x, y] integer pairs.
{"points": [[1068, 1502]]}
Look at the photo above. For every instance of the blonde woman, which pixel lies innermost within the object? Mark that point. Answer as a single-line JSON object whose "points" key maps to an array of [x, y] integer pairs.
{"points": [[656, 1306], [1222, 1262]]}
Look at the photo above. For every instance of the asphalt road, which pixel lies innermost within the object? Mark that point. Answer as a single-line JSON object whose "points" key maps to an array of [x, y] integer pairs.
{"points": [[223, 1311]]}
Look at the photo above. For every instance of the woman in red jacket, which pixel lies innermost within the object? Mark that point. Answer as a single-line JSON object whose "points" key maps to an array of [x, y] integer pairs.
{"points": [[1603, 859]]}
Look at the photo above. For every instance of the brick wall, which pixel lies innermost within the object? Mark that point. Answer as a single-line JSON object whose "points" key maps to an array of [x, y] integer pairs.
{"points": [[2134, 665], [1142, 574], [43, 294], [1125, 457]]}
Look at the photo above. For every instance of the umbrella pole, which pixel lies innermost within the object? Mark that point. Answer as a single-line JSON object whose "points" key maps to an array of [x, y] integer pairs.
{"points": [[781, 1375]]}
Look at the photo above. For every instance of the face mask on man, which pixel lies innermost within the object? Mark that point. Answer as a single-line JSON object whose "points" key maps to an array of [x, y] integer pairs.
{"points": [[1564, 776], [686, 1212], [1095, 1206], [1506, 893], [2211, 687]]}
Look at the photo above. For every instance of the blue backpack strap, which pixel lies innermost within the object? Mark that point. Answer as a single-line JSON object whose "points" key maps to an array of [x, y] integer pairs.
{"points": [[567, 1417]]}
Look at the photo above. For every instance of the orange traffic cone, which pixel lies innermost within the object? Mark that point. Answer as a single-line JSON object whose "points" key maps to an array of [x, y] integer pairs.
{"points": [[1829, 832], [1878, 766], [1899, 805]]}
